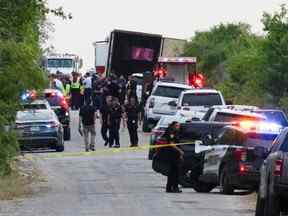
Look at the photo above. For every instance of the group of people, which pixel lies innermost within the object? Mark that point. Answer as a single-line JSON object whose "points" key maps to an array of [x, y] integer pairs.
{"points": [[114, 101]]}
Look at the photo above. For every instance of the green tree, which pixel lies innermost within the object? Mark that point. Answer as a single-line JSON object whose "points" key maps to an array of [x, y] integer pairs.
{"points": [[276, 49]]}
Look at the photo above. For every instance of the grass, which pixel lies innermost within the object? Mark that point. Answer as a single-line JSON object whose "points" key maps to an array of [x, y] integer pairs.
{"points": [[18, 183]]}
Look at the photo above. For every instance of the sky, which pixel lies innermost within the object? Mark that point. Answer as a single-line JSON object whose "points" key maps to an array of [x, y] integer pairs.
{"points": [[93, 20]]}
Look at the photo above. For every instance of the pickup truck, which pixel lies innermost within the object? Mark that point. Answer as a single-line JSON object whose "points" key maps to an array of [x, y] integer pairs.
{"points": [[273, 191]]}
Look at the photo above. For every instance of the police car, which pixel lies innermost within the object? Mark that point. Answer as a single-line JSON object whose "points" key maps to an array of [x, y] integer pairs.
{"points": [[233, 158]]}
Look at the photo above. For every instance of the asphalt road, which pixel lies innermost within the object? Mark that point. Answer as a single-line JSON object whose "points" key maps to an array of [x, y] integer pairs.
{"points": [[115, 184]]}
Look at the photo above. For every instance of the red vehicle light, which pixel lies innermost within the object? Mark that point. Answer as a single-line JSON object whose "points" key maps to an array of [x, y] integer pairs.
{"points": [[278, 168], [243, 168], [240, 154]]}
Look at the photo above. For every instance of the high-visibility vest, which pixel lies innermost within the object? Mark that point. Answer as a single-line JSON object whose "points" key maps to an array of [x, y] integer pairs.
{"points": [[75, 85], [67, 89]]}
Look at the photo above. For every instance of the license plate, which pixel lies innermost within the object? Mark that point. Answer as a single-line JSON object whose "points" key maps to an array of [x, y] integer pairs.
{"points": [[35, 129]]}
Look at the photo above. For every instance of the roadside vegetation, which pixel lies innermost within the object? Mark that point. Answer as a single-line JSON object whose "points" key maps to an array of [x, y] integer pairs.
{"points": [[248, 68], [22, 31]]}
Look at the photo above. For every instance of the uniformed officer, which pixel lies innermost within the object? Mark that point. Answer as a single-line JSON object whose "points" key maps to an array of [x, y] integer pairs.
{"points": [[173, 155], [131, 87], [132, 115], [114, 120], [75, 90], [104, 111]]}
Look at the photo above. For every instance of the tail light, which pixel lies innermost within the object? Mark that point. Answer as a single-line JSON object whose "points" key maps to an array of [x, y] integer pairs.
{"points": [[278, 168], [152, 103], [243, 168], [240, 154]]}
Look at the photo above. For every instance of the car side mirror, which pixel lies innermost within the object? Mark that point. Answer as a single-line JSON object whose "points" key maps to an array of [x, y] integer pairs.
{"points": [[172, 103], [208, 140]]}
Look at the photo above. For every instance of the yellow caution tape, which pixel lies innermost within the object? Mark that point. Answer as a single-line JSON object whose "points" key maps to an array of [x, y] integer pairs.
{"points": [[102, 152]]}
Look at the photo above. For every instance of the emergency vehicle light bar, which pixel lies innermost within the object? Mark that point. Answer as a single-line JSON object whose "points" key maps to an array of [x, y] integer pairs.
{"points": [[177, 60]]}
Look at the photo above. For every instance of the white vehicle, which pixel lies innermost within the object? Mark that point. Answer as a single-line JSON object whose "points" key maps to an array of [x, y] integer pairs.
{"points": [[64, 63], [37, 105], [196, 102], [157, 104], [138, 77]]}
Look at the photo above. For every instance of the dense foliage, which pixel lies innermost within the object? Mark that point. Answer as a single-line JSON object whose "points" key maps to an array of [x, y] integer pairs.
{"points": [[248, 68], [21, 33]]}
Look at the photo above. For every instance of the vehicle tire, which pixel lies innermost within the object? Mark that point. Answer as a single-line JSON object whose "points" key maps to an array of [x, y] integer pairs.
{"points": [[60, 148], [146, 128], [202, 187], [67, 133], [225, 187], [260, 206]]}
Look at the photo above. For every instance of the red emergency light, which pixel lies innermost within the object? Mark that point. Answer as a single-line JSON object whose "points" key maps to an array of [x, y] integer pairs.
{"points": [[197, 80]]}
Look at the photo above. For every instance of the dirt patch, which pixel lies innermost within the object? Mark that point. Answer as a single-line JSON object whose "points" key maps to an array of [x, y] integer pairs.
{"points": [[19, 183]]}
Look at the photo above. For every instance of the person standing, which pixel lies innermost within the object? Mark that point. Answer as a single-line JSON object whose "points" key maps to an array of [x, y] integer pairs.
{"points": [[131, 87], [87, 84], [122, 89], [87, 119], [132, 115], [173, 155], [75, 90], [114, 121], [104, 111]]}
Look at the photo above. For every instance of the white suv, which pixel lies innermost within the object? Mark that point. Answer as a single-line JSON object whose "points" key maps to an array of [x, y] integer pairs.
{"points": [[196, 102], [157, 104]]}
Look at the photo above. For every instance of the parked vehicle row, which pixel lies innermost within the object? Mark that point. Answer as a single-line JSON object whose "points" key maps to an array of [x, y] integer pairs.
{"points": [[44, 122]]}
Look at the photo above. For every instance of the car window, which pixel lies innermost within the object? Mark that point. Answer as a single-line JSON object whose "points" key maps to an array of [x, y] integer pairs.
{"points": [[201, 99], [284, 145], [34, 106], [275, 116], [231, 117], [167, 91], [33, 116], [139, 80], [208, 114], [226, 137]]}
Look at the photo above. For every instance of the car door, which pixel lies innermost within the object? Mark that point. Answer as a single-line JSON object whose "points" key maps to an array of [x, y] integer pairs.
{"points": [[214, 157]]}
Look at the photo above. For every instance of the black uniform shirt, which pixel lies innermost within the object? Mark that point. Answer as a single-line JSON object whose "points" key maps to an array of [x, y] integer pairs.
{"points": [[115, 113], [87, 112], [132, 112]]}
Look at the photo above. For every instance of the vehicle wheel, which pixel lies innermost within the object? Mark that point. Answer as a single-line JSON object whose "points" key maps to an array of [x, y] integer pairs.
{"points": [[202, 187], [67, 133], [260, 206], [225, 187], [60, 148], [146, 128]]}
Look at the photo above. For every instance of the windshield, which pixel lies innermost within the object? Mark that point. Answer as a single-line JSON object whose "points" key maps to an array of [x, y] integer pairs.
{"points": [[275, 117], [34, 106], [231, 117], [139, 80], [165, 91], [201, 99], [60, 63], [33, 116]]}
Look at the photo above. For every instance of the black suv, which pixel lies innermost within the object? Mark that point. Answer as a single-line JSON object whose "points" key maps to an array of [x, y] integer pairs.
{"points": [[60, 106]]}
